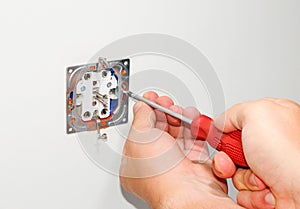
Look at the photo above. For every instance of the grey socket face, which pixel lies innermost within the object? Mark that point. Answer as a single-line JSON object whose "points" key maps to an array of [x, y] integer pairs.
{"points": [[95, 95]]}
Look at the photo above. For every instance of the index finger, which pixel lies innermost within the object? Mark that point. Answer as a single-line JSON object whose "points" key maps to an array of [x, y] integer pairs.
{"points": [[232, 119]]}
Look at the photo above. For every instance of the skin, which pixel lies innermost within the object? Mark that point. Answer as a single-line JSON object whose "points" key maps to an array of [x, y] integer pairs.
{"points": [[271, 143], [195, 181]]}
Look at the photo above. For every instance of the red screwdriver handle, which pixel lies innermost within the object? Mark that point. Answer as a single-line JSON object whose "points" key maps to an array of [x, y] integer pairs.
{"points": [[202, 128]]}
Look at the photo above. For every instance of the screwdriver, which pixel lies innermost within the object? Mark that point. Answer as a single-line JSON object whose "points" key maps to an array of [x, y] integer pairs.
{"points": [[202, 128]]}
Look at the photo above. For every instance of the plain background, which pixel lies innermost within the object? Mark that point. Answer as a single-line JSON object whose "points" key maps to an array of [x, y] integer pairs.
{"points": [[254, 47]]}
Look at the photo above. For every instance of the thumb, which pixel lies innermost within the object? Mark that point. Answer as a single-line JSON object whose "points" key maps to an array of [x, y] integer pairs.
{"points": [[232, 119], [256, 199], [144, 117], [222, 165]]}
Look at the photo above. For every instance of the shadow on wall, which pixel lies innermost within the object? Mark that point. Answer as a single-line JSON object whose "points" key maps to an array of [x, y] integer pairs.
{"points": [[135, 201]]}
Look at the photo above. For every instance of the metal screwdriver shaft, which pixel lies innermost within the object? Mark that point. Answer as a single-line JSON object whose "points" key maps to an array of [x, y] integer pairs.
{"points": [[159, 107], [230, 143]]}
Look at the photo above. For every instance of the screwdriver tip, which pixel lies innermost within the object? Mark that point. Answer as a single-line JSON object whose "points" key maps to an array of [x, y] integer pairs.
{"points": [[129, 93]]}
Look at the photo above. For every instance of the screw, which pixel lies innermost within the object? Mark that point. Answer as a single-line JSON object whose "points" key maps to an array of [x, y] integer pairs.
{"points": [[82, 88], [103, 137], [104, 73], [95, 113], [104, 111], [87, 76], [124, 86], [87, 114], [113, 91]]}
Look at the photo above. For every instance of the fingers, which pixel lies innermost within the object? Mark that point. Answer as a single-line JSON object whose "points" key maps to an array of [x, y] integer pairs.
{"points": [[175, 128], [144, 117], [151, 95], [253, 192], [245, 179], [143, 133], [256, 199], [235, 117], [223, 166], [189, 112], [232, 119], [172, 120], [147, 148], [163, 121], [195, 150]]}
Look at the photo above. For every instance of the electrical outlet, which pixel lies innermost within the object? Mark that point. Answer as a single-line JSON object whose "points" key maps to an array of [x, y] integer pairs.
{"points": [[95, 96]]}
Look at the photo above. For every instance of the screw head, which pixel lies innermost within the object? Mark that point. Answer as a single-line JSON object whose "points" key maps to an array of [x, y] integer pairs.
{"points": [[104, 73], [103, 137], [87, 114], [82, 88], [104, 111], [87, 76]]}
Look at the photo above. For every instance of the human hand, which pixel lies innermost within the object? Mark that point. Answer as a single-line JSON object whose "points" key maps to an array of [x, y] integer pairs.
{"points": [[166, 172], [271, 144]]}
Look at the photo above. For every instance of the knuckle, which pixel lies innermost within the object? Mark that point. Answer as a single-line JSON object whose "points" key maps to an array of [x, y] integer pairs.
{"points": [[281, 101], [258, 107], [164, 101], [291, 104]]}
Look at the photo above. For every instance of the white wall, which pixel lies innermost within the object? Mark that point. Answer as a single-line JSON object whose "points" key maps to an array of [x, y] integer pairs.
{"points": [[254, 47]]}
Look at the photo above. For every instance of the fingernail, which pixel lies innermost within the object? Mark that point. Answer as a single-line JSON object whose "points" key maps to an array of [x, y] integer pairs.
{"points": [[217, 167], [269, 198], [137, 106], [252, 180], [145, 95]]}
